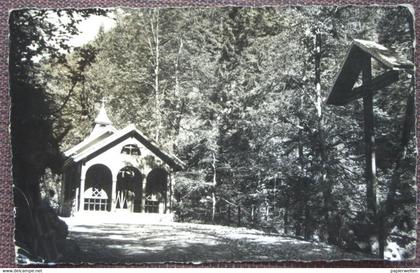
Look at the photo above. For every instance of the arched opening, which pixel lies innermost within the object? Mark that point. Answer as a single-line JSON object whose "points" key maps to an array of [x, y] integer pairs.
{"points": [[129, 189], [156, 190], [98, 187]]}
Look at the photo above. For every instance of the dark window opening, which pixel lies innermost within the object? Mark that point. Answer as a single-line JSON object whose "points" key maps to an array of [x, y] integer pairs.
{"points": [[151, 206]]}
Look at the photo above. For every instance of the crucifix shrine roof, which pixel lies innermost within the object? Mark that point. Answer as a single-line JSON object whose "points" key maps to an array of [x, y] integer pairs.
{"points": [[342, 91]]}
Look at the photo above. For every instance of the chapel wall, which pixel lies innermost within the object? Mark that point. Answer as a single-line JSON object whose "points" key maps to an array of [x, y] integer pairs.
{"points": [[115, 160]]}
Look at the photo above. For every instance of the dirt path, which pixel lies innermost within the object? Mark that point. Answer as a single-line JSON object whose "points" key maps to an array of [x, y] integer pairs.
{"points": [[179, 242]]}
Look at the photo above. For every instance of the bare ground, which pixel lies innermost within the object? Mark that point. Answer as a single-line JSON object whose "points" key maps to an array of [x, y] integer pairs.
{"points": [[181, 242]]}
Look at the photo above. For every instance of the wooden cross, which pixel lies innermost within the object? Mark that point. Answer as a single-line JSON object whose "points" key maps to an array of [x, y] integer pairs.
{"points": [[359, 59]]}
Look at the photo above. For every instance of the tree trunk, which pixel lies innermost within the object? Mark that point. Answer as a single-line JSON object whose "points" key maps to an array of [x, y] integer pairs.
{"points": [[155, 31], [267, 208], [307, 223], [179, 101], [213, 194], [408, 125], [274, 203], [286, 216], [409, 121], [213, 207], [239, 216], [326, 186], [302, 190], [297, 228]]}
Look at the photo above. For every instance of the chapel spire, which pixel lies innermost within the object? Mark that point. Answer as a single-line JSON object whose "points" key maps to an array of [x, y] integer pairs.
{"points": [[102, 117], [102, 123]]}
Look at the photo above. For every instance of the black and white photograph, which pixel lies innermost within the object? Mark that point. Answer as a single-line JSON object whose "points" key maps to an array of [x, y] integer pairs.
{"points": [[213, 134]]}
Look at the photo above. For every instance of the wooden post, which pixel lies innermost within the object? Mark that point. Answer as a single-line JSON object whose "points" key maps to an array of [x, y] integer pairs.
{"points": [[77, 200], [82, 188], [369, 138], [63, 192], [370, 173], [170, 192], [113, 198]]}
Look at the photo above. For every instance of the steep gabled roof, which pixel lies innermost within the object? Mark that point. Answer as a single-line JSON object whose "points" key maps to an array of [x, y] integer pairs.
{"points": [[101, 130], [342, 90], [88, 142], [92, 150]]}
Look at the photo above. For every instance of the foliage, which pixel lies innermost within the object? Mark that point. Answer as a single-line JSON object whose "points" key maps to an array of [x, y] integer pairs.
{"points": [[33, 35]]}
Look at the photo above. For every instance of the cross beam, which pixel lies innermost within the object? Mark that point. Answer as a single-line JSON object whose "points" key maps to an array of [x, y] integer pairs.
{"points": [[375, 85]]}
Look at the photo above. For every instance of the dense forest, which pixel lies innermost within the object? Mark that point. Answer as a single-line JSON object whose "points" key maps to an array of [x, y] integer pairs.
{"points": [[238, 94]]}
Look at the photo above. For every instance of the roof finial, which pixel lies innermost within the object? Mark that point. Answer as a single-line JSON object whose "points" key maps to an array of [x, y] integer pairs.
{"points": [[102, 117], [103, 101]]}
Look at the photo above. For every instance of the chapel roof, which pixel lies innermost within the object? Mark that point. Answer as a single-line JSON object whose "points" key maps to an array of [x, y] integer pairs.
{"points": [[102, 129], [105, 136]]}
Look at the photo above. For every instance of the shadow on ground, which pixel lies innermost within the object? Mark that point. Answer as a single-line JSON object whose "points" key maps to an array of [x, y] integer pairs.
{"points": [[177, 242]]}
